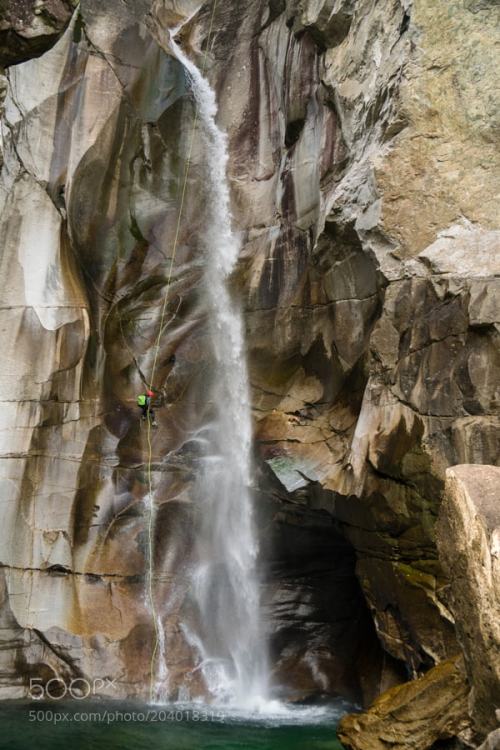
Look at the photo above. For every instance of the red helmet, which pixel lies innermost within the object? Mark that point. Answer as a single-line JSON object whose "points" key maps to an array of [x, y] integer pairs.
{"points": [[149, 393]]}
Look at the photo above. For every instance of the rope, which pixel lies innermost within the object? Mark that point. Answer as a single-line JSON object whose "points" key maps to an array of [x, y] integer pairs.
{"points": [[153, 372]]}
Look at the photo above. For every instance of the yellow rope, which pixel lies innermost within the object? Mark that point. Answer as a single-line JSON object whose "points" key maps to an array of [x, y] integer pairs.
{"points": [[153, 371]]}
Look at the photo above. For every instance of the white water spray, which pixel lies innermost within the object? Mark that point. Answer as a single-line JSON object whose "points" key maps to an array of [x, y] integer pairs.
{"points": [[161, 691], [225, 588]]}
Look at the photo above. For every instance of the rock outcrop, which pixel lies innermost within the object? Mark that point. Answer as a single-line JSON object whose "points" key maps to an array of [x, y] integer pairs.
{"points": [[28, 28], [382, 366], [415, 715], [364, 175], [469, 545], [492, 742]]}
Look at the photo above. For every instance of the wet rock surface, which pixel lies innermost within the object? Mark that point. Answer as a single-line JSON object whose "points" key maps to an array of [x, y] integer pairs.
{"points": [[363, 173]]}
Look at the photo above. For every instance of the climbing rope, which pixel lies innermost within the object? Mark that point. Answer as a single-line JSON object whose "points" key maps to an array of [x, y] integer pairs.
{"points": [[153, 372]]}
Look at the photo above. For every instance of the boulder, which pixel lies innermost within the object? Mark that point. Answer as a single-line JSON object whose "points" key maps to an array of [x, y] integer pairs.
{"points": [[469, 546], [412, 716]]}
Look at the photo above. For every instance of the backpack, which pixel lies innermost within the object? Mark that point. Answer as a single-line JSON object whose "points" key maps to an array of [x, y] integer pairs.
{"points": [[141, 400]]}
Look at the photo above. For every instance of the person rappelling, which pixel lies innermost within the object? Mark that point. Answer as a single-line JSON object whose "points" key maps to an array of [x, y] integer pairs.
{"points": [[145, 403]]}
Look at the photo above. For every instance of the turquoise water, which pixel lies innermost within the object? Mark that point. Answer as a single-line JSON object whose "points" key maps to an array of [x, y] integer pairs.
{"points": [[87, 726]]}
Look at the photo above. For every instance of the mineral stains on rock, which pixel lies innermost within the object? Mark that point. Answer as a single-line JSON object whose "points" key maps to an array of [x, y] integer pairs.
{"points": [[364, 175]]}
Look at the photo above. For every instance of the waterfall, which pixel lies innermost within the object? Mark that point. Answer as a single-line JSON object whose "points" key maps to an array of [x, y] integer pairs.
{"points": [[162, 677], [227, 629]]}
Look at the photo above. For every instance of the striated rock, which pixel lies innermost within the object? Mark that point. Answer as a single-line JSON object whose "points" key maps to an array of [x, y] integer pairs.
{"points": [[28, 28], [94, 147], [401, 376], [414, 715], [328, 21], [364, 175], [469, 545]]}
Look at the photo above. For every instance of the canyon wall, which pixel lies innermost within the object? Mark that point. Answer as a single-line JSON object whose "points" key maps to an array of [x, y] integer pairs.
{"points": [[364, 171]]}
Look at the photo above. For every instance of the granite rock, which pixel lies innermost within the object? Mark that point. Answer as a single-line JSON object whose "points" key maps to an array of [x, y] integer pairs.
{"points": [[364, 181], [469, 545]]}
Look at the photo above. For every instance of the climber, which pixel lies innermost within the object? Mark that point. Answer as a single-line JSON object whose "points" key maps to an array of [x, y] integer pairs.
{"points": [[144, 402]]}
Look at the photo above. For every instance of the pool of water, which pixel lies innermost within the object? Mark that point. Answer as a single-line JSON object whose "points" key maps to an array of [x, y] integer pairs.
{"points": [[116, 726]]}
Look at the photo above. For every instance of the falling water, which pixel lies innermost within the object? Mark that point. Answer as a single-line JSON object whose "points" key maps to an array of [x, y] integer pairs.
{"points": [[161, 691], [225, 588]]}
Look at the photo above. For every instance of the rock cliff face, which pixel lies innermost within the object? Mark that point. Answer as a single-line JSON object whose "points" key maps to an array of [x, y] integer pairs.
{"points": [[364, 177], [469, 543], [30, 27]]}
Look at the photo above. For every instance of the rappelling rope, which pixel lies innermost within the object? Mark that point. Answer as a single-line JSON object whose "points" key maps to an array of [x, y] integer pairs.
{"points": [[153, 371]]}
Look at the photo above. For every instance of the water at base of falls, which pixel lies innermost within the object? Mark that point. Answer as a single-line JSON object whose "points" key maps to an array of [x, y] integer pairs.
{"points": [[116, 725], [224, 629]]}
